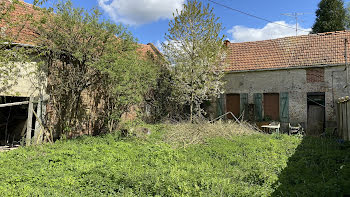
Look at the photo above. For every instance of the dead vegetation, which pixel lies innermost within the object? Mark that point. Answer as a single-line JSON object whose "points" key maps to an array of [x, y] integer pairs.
{"points": [[184, 134]]}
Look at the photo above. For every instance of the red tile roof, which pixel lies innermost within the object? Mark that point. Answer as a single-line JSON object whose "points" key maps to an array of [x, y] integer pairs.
{"points": [[22, 33], [297, 51], [144, 48], [19, 30]]}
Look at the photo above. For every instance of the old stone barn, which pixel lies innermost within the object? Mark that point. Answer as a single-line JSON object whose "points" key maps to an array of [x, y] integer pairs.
{"points": [[291, 80]]}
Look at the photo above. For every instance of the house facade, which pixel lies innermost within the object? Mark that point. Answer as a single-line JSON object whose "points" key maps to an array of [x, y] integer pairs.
{"points": [[291, 80]]}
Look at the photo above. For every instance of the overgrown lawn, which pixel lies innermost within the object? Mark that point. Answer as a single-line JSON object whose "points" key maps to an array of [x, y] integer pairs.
{"points": [[239, 165]]}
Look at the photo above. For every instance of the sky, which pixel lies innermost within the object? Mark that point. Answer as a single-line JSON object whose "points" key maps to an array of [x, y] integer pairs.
{"points": [[148, 19]]}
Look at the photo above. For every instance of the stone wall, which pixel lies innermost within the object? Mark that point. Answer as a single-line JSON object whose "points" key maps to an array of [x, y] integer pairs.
{"points": [[297, 82]]}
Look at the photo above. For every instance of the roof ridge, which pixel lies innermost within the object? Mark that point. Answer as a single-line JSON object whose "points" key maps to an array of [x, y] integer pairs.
{"points": [[307, 50], [289, 37]]}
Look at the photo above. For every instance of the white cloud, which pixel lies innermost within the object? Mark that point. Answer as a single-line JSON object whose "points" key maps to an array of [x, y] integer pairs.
{"points": [[137, 12], [270, 31], [159, 46]]}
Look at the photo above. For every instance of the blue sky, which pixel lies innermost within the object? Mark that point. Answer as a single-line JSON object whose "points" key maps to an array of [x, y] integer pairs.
{"points": [[148, 19]]}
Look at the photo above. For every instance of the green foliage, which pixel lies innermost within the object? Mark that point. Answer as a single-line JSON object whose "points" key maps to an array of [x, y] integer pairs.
{"points": [[195, 48], [39, 2], [10, 54], [347, 16], [89, 61], [103, 166], [158, 101], [72, 41], [242, 165], [319, 167], [330, 16], [128, 79]]}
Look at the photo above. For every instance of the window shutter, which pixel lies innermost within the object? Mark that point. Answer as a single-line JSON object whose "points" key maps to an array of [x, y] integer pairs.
{"points": [[258, 106], [220, 105], [244, 103], [284, 107]]}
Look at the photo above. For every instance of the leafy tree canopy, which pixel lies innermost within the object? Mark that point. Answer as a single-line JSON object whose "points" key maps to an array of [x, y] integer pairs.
{"points": [[94, 68], [195, 48]]}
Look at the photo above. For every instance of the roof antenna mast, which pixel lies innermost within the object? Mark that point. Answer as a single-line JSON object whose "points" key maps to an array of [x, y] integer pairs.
{"points": [[295, 15]]}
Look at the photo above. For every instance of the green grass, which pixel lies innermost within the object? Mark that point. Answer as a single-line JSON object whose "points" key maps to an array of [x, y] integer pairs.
{"points": [[242, 165]]}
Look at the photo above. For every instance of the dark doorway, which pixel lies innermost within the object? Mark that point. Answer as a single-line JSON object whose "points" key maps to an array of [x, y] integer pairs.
{"points": [[315, 113], [12, 120], [271, 106], [233, 105]]}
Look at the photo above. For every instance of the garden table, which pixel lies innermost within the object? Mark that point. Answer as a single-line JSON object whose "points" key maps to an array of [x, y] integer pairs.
{"points": [[270, 126]]}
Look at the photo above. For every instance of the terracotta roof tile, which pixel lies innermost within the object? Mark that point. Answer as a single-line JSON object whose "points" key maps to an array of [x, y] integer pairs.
{"points": [[144, 48], [297, 51], [22, 33], [20, 30]]}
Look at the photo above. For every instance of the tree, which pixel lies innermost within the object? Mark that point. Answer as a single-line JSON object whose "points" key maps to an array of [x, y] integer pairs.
{"points": [[8, 59], [87, 60], [195, 49], [129, 79], [12, 25], [347, 16], [330, 16]]}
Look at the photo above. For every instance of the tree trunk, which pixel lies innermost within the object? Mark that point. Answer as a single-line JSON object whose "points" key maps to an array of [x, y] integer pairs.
{"points": [[29, 121], [191, 111], [38, 128], [191, 108]]}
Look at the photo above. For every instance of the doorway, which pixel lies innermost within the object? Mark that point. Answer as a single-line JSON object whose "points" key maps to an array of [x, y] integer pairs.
{"points": [[315, 113], [233, 104], [271, 106], [12, 120]]}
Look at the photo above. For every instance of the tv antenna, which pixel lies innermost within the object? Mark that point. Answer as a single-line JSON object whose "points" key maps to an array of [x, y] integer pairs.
{"points": [[295, 15]]}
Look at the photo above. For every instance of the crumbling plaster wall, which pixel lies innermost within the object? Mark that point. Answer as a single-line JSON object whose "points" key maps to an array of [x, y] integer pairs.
{"points": [[23, 80], [294, 82]]}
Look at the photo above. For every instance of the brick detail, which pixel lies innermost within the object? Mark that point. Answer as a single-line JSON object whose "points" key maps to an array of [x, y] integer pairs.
{"points": [[314, 75]]}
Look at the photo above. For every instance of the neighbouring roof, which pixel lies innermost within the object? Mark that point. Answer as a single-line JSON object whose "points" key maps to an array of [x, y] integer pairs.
{"points": [[24, 35], [19, 30], [144, 48], [289, 52]]}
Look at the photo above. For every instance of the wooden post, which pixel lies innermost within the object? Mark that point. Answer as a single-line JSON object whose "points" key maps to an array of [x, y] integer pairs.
{"points": [[338, 118], [24, 128], [14, 104], [37, 125], [29, 121], [345, 122], [42, 126], [43, 118], [340, 129]]}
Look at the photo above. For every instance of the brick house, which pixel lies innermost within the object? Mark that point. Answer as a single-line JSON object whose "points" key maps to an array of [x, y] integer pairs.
{"points": [[292, 80]]}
